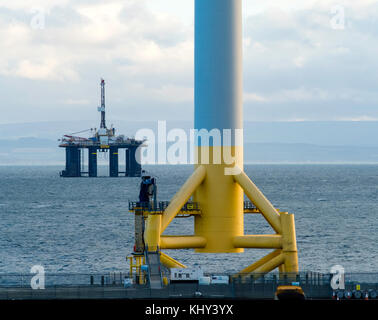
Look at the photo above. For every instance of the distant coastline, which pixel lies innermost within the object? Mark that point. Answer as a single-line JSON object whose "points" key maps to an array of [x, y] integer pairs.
{"points": [[306, 142], [61, 165]]}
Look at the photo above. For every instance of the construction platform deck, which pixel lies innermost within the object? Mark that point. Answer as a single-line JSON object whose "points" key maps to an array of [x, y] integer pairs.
{"points": [[189, 209]]}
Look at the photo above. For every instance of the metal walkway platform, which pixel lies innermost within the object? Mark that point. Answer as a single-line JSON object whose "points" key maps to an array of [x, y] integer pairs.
{"points": [[189, 209]]}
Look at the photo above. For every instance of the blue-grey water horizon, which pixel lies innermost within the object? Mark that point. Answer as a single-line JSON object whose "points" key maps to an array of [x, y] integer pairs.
{"points": [[82, 225]]}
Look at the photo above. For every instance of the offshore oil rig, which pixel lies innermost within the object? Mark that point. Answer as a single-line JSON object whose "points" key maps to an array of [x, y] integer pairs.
{"points": [[102, 140]]}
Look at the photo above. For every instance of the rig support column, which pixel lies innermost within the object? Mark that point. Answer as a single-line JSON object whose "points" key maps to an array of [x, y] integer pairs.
{"points": [[133, 166], [127, 165], [137, 159], [73, 162], [92, 162], [113, 162]]}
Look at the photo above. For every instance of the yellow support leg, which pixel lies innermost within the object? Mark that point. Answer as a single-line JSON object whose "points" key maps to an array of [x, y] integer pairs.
{"points": [[289, 244], [260, 262], [182, 196], [169, 262], [219, 228], [152, 232], [259, 200], [270, 265], [281, 269]]}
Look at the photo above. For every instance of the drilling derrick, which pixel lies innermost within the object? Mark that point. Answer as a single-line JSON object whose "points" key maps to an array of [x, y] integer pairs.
{"points": [[102, 108]]}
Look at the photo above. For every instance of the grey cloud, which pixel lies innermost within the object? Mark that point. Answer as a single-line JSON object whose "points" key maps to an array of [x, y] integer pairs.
{"points": [[142, 23], [340, 63], [300, 67]]}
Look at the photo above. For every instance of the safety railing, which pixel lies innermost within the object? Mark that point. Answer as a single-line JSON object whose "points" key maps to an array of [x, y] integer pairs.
{"points": [[118, 285], [161, 206], [63, 280], [189, 206]]}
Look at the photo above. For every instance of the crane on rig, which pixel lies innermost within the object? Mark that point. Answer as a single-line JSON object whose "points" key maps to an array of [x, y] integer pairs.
{"points": [[103, 135]]}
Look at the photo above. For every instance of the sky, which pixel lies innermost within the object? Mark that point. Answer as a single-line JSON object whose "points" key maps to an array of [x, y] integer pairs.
{"points": [[303, 60]]}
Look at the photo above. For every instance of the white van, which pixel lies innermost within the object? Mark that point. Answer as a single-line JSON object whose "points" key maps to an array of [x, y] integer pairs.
{"points": [[220, 279], [186, 274]]}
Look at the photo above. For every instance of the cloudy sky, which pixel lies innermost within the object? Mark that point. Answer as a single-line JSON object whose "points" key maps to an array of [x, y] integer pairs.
{"points": [[304, 60]]}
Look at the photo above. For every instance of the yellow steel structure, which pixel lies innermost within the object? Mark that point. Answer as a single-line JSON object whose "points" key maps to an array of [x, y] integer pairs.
{"points": [[217, 184], [220, 226], [135, 263]]}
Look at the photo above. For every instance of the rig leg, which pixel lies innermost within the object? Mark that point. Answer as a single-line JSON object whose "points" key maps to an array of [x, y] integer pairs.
{"points": [[133, 166], [92, 162], [113, 162], [127, 164], [73, 162]]}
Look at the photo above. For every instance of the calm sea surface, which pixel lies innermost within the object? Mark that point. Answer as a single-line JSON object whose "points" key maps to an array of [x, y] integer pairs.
{"points": [[83, 225]]}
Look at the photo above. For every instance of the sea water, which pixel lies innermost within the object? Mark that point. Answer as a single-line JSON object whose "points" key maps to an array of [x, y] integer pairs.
{"points": [[82, 225]]}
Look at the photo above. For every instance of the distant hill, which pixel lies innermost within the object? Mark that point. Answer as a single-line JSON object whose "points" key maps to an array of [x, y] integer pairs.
{"points": [[46, 152], [308, 153], [356, 133], [275, 142]]}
